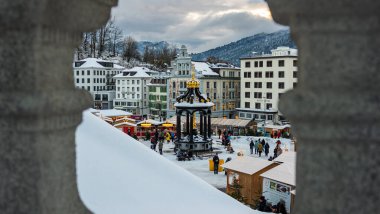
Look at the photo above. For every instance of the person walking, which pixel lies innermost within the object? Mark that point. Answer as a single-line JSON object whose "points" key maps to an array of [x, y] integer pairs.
{"points": [[260, 149], [172, 136], [266, 149], [219, 133], [215, 159], [257, 146], [168, 136], [251, 146], [160, 146]]}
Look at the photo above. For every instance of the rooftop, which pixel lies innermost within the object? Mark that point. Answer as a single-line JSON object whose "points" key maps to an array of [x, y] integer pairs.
{"points": [[247, 165]]}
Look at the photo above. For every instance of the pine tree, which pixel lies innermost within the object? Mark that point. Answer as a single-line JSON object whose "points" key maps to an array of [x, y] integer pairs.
{"points": [[236, 187]]}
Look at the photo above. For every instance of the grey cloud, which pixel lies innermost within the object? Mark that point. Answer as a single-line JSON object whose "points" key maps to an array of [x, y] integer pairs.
{"points": [[157, 20]]}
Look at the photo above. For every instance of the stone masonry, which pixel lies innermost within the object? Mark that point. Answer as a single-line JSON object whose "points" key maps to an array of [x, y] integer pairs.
{"points": [[40, 108], [335, 109]]}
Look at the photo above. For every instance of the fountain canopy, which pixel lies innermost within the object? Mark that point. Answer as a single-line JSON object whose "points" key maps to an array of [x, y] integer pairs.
{"points": [[193, 104]]}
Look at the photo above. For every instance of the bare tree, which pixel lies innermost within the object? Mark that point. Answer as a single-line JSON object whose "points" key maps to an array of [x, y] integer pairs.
{"points": [[130, 49]]}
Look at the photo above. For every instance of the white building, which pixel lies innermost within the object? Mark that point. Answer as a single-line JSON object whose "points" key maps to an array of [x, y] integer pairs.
{"points": [[264, 79], [132, 90], [95, 76]]}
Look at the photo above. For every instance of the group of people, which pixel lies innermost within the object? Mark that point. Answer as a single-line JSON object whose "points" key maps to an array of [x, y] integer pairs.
{"points": [[279, 134], [226, 140], [264, 206], [260, 146], [159, 137]]}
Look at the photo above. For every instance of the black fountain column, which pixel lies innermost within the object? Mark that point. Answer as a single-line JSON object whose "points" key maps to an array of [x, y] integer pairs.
{"points": [[209, 123], [187, 123], [178, 126], [205, 127], [191, 130], [201, 123]]}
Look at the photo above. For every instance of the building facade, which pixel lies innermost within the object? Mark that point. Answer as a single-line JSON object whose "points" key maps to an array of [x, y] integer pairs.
{"points": [[132, 90], [95, 76], [158, 101], [264, 78], [220, 83], [223, 90]]}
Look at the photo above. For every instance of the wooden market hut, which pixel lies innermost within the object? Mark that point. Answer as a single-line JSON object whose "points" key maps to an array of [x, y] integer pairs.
{"points": [[236, 126], [278, 183], [247, 170], [147, 125]]}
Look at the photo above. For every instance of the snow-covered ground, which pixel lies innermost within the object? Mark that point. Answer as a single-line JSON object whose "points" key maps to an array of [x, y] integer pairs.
{"points": [[118, 175], [240, 144]]}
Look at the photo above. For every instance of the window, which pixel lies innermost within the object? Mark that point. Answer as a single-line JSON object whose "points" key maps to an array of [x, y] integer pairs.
{"points": [[270, 117], [82, 80], [281, 63], [77, 80], [214, 95], [258, 95], [138, 81], [261, 64], [247, 105], [208, 84], [281, 74], [257, 105], [173, 94], [94, 88], [83, 73], [88, 80], [258, 74], [173, 85], [294, 74], [269, 96], [88, 72], [269, 63], [215, 85], [118, 81], [247, 85], [133, 81], [281, 85], [269, 85], [247, 74], [294, 84], [77, 73], [269, 105], [256, 64], [88, 88], [248, 94], [269, 74], [247, 64], [258, 85], [294, 63]]}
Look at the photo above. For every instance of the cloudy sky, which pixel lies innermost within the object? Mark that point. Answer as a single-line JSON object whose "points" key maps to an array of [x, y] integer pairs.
{"points": [[199, 24]]}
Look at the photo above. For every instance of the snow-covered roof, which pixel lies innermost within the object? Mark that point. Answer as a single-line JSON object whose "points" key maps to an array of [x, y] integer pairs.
{"points": [[287, 157], [284, 173], [247, 165], [277, 127], [153, 122], [113, 113], [118, 175], [94, 63], [124, 124], [195, 104], [137, 72], [203, 68]]}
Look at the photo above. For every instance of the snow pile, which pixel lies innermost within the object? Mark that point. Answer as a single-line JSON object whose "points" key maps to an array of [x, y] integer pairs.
{"points": [[117, 174]]}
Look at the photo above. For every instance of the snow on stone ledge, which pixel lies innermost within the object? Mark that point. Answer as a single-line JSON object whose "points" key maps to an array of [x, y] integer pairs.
{"points": [[118, 175]]}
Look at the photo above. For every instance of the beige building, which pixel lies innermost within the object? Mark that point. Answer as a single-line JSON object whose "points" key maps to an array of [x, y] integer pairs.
{"points": [[264, 79], [220, 82]]}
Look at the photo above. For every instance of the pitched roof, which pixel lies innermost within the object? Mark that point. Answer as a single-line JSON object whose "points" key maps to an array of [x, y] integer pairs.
{"points": [[247, 165], [284, 173], [136, 72], [287, 157], [204, 69]]}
